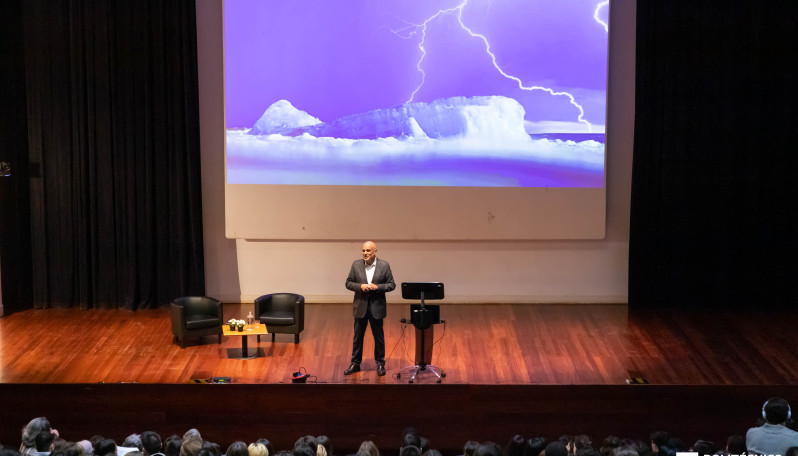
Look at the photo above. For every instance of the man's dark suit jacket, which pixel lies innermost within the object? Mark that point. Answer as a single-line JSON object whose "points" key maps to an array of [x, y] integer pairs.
{"points": [[383, 278]]}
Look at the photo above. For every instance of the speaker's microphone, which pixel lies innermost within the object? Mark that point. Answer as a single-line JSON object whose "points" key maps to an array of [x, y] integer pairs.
{"points": [[403, 320]]}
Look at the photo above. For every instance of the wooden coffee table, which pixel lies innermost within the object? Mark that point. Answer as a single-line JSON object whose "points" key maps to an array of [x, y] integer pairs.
{"points": [[249, 330]]}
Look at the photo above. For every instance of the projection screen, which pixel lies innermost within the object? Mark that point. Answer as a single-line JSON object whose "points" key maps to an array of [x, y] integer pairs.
{"points": [[415, 119]]}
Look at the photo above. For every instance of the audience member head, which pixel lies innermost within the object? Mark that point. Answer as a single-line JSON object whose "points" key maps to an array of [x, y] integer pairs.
{"points": [[237, 448], [410, 436], [568, 441], [86, 448], [257, 449], [432, 453], [489, 449], [515, 447], [8, 451], [556, 449], [105, 447], [308, 440], [43, 442], [36, 426], [132, 441], [210, 449], [268, 445], [303, 449], [150, 443], [324, 446], [410, 450], [95, 440], [368, 448], [172, 444], [791, 451], [624, 450], [470, 448], [534, 446], [59, 443], [658, 439], [643, 448], [582, 441], [192, 443], [609, 443], [776, 410], [703, 447], [411, 440]]}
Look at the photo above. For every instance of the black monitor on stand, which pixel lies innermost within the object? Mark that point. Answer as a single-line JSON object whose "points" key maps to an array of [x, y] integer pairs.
{"points": [[423, 317], [422, 290]]}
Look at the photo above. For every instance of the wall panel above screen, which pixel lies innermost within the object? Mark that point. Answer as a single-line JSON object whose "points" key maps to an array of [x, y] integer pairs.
{"points": [[415, 119]]}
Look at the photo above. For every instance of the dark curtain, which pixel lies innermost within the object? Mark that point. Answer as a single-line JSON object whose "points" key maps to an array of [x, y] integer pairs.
{"points": [[15, 245], [714, 194], [113, 121]]}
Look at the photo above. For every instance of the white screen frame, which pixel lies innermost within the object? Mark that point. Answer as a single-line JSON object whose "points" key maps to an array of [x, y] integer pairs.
{"points": [[311, 212]]}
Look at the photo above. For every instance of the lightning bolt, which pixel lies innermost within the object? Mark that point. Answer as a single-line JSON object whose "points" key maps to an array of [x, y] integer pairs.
{"points": [[422, 29], [412, 30], [598, 19]]}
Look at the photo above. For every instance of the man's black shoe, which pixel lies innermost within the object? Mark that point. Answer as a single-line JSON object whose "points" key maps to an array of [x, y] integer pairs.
{"points": [[380, 370], [352, 369]]}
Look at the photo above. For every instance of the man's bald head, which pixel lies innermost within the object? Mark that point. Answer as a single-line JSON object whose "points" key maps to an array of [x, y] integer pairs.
{"points": [[369, 250]]}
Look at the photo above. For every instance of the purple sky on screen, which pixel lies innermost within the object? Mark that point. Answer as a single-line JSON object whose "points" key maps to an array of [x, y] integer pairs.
{"points": [[333, 58]]}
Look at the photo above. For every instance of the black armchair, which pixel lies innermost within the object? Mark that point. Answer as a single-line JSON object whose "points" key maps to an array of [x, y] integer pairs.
{"points": [[195, 316], [282, 313]]}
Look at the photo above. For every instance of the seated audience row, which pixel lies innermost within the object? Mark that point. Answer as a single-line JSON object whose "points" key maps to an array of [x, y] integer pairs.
{"points": [[771, 437]]}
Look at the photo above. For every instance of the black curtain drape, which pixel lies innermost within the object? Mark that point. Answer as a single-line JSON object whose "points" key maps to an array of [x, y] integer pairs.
{"points": [[714, 195], [15, 244], [113, 128]]}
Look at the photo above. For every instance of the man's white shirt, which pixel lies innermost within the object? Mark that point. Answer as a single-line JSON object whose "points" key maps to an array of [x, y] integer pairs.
{"points": [[370, 270]]}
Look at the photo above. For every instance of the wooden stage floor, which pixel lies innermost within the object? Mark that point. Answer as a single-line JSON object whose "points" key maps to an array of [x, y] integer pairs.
{"points": [[479, 345], [534, 370]]}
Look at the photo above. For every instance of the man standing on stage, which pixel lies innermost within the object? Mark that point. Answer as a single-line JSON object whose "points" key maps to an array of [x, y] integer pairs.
{"points": [[370, 278]]}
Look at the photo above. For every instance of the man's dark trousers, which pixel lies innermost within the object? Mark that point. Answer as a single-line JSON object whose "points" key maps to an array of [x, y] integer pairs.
{"points": [[376, 331]]}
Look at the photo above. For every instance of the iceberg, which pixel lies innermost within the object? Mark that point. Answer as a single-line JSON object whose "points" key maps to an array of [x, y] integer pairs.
{"points": [[490, 118], [459, 141], [282, 117]]}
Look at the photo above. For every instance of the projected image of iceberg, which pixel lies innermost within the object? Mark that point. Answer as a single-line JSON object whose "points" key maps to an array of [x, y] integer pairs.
{"points": [[476, 141], [416, 93]]}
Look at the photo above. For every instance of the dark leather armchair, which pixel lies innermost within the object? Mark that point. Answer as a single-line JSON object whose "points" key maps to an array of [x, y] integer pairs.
{"points": [[282, 313], [195, 316]]}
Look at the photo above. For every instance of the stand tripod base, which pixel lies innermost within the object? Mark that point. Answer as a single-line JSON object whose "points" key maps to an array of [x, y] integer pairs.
{"points": [[415, 369]]}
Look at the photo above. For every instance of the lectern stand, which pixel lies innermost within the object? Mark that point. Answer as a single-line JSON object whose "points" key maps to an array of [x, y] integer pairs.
{"points": [[423, 318]]}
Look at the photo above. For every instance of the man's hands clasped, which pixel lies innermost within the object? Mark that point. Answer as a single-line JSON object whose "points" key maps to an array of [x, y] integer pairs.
{"points": [[365, 287]]}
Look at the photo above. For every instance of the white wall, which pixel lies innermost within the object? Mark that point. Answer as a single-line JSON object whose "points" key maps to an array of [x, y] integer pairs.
{"points": [[496, 271]]}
